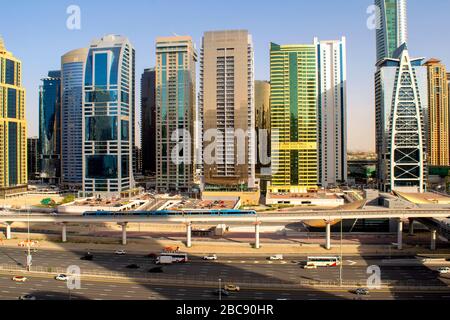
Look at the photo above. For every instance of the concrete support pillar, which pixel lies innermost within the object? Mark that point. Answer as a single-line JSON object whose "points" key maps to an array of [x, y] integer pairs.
{"points": [[8, 231], [411, 227], [124, 233], [328, 236], [400, 235], [257, 239], [433, 240], [64, 233], [189, 235]]}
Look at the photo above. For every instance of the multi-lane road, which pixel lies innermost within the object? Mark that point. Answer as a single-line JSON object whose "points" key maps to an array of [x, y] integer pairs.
{"points": [[242, 270]]}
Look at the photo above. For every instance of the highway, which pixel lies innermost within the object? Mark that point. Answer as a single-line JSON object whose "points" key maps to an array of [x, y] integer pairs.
{"points": [[241, 270], [50, 289]]}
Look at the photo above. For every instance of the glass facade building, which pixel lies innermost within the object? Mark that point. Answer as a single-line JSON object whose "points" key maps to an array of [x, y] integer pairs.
{"points": [[72, 70], [108, 117], [148, 122], [50, 127], [13, 128], [294, 118], [176, 60], [401, 117], [392, 28]]}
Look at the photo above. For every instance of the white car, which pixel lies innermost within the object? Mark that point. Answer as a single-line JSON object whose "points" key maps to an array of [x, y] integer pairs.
{"points": [[212, 257], [19, 279], [121, 252], [276, 257], [309, 266], [444, 270], [27, 297], [61, 277]]}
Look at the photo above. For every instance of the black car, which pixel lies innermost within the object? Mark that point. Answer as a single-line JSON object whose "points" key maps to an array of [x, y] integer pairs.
{"points": [[156, 270], [87, 257], [133, 266], [222, 292]]}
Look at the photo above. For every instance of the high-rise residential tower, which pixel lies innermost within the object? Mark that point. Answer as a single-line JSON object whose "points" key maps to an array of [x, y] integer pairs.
{"points": [[50, 127], [392, 28], [148, 122], [401, 111], [227, 110], [438, 114], [13, 126], [294, 119], [33, 159], [72, 70], [176, 59], [262, 124], [108, 113], [332, 111]]}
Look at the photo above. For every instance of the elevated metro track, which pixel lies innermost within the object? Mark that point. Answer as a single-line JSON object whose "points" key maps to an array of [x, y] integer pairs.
{"points": [[261, 218]]}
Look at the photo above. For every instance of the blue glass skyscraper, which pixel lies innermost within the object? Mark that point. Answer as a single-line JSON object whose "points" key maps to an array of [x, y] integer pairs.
{"points": [[72, 69], [108, 118], [50, 127]]}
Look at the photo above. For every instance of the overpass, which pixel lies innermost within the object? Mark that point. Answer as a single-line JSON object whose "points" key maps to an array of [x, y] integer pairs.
{"points": [[327, 215]]}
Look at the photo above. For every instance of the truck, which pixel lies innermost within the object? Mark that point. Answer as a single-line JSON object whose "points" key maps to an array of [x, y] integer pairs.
{"points": [[164, 260]]}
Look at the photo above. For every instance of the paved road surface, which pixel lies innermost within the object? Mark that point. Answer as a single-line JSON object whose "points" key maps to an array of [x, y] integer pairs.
{"points": [[233, 269], [49, 289]]}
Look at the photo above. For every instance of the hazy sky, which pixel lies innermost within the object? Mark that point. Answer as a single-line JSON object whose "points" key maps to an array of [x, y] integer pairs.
{"points": [[35, 31]]}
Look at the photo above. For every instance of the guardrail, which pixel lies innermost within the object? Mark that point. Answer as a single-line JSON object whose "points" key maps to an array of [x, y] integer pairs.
{"points": [[212, 282]]}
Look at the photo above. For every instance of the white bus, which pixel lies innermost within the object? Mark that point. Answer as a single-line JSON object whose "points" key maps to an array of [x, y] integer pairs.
{"points": [[178, 257], [315, 262]]}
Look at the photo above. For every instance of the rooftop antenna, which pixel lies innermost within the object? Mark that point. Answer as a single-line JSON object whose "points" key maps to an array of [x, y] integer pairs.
{"points": [[176, 35]]}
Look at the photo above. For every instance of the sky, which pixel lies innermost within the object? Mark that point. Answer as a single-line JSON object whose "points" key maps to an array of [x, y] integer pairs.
{"points": [[36, 33]]}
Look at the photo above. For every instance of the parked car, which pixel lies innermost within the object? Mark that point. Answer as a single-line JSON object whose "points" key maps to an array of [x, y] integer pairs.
{"points": [[19, 279], [210, 257], [61, 277], [27, 297], [232, 288], [121, 252]]}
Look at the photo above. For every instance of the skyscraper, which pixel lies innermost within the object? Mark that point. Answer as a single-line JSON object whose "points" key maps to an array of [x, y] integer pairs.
{"points": [[227, 110], [108, 110], [332, 111], [294, 120], [50, 127], [262, 124], [401, 105], [401, 111], [438, 114], [175, 113], [13, 126], [148, 121], [72, 69], [392, 30], [33, 159]]}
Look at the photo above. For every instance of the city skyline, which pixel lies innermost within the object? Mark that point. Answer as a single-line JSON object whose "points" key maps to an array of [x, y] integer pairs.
{"points": [[361, 44]]}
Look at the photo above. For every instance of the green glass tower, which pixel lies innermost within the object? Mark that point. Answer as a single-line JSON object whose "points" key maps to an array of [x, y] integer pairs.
{"points": [[294, 122]]}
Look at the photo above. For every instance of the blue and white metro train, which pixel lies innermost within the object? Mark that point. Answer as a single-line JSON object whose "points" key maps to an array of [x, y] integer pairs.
{"points": [[166, 213]]}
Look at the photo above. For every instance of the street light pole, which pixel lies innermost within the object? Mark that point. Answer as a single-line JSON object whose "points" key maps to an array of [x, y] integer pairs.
{"points": [[220, 289], [342, 260]]}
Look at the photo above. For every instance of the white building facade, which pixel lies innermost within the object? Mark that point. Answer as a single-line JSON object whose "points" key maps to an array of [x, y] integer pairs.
{"points": [[332, 111]]}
